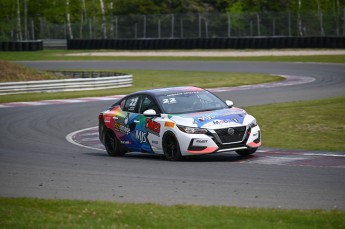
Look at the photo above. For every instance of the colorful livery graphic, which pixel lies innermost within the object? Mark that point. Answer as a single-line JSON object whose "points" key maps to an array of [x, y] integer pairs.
{"points": [[177, 122]]}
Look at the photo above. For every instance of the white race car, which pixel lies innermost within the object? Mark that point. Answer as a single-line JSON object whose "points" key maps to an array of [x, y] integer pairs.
{"points": [[177, 122]]}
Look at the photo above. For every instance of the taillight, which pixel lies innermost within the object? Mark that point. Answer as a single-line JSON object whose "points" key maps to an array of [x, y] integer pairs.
{"points": [[100, 116]]}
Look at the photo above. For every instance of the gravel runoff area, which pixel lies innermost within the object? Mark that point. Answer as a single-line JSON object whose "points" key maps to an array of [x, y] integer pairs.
{"points": [[215, 53]]}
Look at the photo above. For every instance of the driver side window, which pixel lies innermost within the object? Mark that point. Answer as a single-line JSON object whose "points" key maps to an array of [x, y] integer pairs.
{"points": [[131, 104], [148, 103]]}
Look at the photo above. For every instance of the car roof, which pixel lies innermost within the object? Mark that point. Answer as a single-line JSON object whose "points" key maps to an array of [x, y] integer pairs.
{"points": [[169, 90]]}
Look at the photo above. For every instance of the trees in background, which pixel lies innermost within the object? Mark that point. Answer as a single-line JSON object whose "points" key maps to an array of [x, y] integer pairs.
{"points": [[22, 19]]}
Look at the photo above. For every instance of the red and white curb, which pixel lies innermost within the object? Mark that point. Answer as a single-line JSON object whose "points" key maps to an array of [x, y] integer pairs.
{"points": [[88, 138], [289, 81]]}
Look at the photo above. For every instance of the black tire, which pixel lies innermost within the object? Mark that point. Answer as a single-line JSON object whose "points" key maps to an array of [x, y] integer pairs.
{"points": [[101, 128], [171, 148], [246, 152], [112, 144]]}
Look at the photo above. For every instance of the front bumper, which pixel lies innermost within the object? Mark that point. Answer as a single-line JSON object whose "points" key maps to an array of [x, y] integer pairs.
{"points": [[220, 141]]}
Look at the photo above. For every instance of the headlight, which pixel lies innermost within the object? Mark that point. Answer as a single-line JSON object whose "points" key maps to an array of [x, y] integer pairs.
{"points": [[253, 124], [192, 130]]}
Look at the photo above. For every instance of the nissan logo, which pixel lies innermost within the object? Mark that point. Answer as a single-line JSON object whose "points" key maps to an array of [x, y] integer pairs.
{"points": [[231, 131]]}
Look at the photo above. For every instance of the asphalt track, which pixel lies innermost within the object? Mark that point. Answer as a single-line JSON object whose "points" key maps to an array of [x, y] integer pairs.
{"points": [[37, 161]]}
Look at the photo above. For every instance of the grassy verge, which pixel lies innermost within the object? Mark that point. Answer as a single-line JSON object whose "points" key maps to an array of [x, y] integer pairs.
{"points": [[37, 213], [10, 72], [59, 55], [145, 79], [309, 125]]}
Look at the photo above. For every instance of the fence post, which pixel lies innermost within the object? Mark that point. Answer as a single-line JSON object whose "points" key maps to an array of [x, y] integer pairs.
{"points": [[229, 24], [206, 28], [258, 23], [159, 28], [274, 27], [41, 28], [32, 30], [181, 26], [65, 30], [251, 27], [344, 23], [116, 28], [322, 32], [289, 18], [200, 26], [172, 25], [144, 35]]}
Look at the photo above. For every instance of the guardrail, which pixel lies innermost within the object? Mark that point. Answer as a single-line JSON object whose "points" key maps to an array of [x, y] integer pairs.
{"points": [[79, 84]]}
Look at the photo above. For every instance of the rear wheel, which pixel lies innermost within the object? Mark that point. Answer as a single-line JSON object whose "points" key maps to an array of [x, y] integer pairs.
{"points": [[112, 144], [246, 152], [171, 148]]}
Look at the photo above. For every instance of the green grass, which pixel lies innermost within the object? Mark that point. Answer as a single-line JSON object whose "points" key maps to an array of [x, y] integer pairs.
{"points": [[309, 125], [146, 79], [59, 55], [38, 213], [12, 72]]}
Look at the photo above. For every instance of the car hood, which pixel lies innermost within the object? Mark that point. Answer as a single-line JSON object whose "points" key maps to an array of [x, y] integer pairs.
{"points": [[214, 119]]}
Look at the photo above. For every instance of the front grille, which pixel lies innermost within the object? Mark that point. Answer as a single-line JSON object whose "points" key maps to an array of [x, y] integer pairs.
{"points": [[231, 146], [237, 136]]}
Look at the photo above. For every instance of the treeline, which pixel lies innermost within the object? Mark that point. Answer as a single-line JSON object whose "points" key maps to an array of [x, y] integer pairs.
{"points": [[17, 15]]}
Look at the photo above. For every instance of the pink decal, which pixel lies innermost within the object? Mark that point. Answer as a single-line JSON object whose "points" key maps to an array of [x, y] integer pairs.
{"points": [[204, 151], [254, 145]]}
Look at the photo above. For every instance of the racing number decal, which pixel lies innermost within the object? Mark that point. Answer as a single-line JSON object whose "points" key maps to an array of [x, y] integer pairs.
{"points": [[133, 102], [169, 101]]}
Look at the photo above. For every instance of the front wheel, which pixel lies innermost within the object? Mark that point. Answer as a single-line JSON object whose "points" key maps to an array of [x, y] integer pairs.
{"points": [[171, 148], [112, 144], [246, 152]]}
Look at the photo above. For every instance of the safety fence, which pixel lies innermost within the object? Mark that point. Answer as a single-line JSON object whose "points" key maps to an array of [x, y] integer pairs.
{"points": [[78, 84], [210, 43], [190, 25], [200, 25]]}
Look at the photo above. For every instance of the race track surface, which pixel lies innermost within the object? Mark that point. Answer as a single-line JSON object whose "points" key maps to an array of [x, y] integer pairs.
{"points": [[36, 160]]}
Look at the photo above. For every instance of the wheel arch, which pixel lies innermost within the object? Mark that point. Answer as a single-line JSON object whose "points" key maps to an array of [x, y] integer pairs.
{"points": [[167, 134]]}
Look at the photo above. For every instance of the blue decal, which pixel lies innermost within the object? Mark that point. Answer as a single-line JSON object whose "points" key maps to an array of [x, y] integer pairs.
{"points": [[219, 117]]}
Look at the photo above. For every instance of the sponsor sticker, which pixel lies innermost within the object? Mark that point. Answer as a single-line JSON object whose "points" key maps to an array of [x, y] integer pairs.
{"points": [[126, 142], [200, 142], [121, 128], [141, 136], [153, 127]]}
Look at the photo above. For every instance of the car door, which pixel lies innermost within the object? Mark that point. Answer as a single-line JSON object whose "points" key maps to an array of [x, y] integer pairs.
{"points": [[125, 121], [147, 129]]}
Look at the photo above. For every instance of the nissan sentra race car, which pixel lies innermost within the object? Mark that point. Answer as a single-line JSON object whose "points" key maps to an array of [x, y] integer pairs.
{"points": [[177, 122]]}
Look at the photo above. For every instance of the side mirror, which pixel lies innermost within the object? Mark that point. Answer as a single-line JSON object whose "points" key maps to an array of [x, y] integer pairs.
{"points": [[229, 103], [150, 112]]}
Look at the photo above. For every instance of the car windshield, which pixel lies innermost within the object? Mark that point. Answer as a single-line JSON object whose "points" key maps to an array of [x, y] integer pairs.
{"points": [[190, 102]]}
